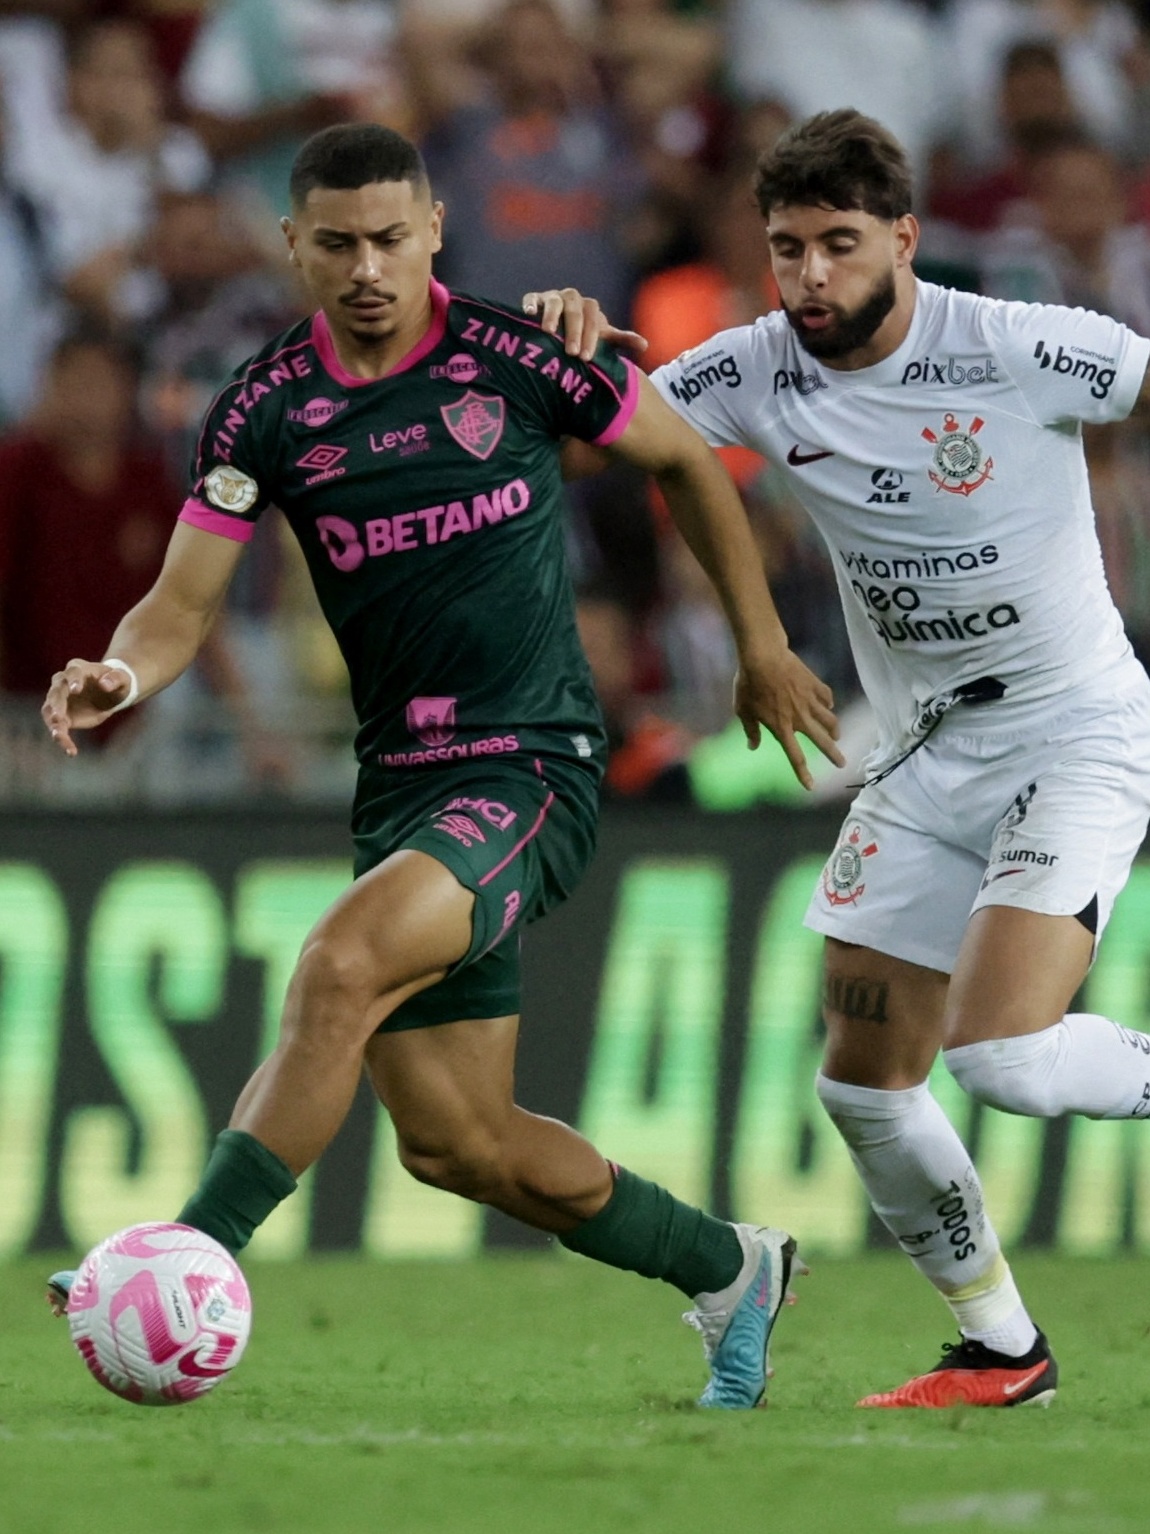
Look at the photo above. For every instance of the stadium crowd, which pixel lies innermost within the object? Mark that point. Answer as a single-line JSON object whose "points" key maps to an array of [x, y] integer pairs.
{"points": [[144, 147]]}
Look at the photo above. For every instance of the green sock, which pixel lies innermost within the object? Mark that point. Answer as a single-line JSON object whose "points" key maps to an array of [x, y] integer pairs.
{"points": [[242, 1183], [646, 1230]]}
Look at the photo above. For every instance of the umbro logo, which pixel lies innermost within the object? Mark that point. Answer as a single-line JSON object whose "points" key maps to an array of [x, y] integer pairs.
{"points": [[796, 459]]}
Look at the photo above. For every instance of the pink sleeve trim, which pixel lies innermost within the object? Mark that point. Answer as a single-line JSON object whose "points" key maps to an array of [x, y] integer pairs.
{"points": [[209, 521], [627, 407]]}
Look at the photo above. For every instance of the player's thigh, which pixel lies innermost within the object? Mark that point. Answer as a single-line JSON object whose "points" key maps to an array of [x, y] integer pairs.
{"points": [[894, 882], [883, 1017], [396, 930], [448, 1086], [518, 836], [1057, 862], [1017, 973]]}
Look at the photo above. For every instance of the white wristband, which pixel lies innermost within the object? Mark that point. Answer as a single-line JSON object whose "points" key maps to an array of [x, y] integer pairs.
{"points": [[133, 683]]}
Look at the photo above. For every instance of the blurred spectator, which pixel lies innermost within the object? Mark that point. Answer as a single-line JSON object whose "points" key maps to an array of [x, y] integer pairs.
{"points": [[203, 299], [1078, 246], [1034, 103], [535, 176], [612, 542], [86, 511], [661, 68], [731, 285], [94, 171], [264, 74], [32, 64], [696, 640], [1095, 40], [648, 751], [85, 515], [814, 55], [28, 311]]}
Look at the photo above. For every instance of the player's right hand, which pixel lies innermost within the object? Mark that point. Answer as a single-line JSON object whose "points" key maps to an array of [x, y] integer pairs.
{"points": [[584, 323], [787, 697], [80, 697]]}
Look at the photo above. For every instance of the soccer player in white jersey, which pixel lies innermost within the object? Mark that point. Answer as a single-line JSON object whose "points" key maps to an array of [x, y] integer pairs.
{"points": [[935, 439]]}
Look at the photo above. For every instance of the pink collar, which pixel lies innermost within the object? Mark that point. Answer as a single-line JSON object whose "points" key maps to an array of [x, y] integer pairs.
{"points": [[321, 340]]}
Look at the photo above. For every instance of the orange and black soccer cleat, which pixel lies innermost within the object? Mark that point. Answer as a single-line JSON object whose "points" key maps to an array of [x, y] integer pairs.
{"points": [[970, 1374]]}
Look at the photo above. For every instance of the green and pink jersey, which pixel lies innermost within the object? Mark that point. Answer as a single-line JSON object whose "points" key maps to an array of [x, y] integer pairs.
{"points": [[428, 506]]}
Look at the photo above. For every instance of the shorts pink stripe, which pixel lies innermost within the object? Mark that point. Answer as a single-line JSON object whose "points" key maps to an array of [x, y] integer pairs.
{"points": [[209, 521], [521, 843]]}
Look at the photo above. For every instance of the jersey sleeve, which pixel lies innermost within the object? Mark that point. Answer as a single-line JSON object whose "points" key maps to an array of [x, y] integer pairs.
{"points": [[1069, 364], [229, 483], [705, 386], [593, 401]]}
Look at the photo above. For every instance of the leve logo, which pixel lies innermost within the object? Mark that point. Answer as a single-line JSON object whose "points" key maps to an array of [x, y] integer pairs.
{"points": [[476, 422]]}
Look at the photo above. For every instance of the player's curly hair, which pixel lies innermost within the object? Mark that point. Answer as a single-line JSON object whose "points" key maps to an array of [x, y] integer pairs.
{"points": [[836, 160], [351, 155]]}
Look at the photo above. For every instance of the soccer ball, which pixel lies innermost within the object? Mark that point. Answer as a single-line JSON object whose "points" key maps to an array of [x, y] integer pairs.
{"points": [[159, 1313]]}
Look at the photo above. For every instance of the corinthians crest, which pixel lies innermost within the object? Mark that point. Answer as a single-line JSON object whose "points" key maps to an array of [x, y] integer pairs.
{"points": [[843, 874], [959, 464], [476, 422]]}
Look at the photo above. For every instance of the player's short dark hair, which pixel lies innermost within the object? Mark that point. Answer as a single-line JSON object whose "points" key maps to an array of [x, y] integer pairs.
{"points": [[836, 160], [1030, 53], [351, 155]]}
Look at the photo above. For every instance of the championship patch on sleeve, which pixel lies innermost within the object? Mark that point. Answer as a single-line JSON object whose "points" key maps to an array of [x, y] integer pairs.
{"points": [[231, 489]]}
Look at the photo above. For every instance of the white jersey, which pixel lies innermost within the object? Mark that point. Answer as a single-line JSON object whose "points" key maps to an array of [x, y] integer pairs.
{"points": [[949, 483]]}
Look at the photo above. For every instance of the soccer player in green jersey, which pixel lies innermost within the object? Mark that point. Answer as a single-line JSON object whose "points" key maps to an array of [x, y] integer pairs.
{"points": [[411, 437]]}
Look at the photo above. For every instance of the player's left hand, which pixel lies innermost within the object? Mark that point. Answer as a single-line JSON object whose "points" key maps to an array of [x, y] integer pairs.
{"points": [[789, 699], [584, 323]]}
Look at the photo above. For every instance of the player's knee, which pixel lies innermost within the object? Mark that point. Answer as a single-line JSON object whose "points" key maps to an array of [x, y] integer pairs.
{"points": [[334, 984], [469, 1165], [867, 1116], [1012, 1075]]}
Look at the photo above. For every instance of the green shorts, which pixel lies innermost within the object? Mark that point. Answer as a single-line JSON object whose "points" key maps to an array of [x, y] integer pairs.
{"points": [[519, 835]]}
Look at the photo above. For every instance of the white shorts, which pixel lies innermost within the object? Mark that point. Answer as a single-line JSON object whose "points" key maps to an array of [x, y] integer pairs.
{"points": [[1050, 821]]}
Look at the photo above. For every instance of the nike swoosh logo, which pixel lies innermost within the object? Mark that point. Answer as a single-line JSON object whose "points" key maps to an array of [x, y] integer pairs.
{"points": [[1027, 1379], [797, 459]]}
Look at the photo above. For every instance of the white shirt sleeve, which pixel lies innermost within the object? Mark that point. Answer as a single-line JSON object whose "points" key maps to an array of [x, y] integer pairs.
{"points": [[707, 385], [1068, 364]]}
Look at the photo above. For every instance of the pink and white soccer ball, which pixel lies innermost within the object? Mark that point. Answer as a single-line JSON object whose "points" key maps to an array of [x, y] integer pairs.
{"points": [[160, 1313]]}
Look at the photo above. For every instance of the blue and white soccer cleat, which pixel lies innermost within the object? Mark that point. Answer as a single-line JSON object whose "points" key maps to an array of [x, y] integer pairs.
{"points": [[736, 1323], [59, 1286]]}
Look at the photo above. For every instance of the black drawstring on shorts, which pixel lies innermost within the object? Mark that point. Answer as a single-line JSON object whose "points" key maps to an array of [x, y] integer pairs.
{"points": [[985, 689]]}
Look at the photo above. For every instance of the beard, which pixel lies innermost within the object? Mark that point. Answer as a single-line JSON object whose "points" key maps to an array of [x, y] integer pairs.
{"points": [[849, 331]]}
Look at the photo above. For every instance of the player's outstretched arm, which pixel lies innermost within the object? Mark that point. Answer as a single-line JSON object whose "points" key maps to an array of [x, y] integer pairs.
{"points": [[158, 639], [773, 687]]}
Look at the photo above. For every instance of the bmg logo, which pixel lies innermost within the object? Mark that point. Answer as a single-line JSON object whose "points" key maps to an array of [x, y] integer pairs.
{"points": [[1101, 380]]}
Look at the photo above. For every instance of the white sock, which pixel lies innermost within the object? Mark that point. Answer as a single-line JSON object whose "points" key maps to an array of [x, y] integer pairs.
{"points": [[1084, 1064], [924, 1188], [1014, 1336]]}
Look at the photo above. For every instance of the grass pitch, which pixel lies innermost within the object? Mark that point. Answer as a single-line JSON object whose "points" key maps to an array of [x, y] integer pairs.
{"points": [[544, 1394]]}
